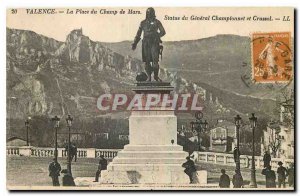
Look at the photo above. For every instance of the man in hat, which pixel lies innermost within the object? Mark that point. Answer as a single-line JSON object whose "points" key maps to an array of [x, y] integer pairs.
{"points": [[151, 49], [102, 166], [190, 168], [270, 177], [282, 173], [54, 170], [224, 180], [237, 180], [291, 175], [67, 179], [267, 159]]}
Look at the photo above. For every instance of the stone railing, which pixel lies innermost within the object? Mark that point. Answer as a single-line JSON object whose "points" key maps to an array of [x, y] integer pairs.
{"points": [[228, 159], [42, 152], [12, 151], [208, 157], [107, 153], [49, 152], [81, 152]]}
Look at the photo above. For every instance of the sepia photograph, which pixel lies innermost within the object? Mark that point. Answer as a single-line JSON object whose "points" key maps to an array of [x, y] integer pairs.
{"points": [[150, 98]]}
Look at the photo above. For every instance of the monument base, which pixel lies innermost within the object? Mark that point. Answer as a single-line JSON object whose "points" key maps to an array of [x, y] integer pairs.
{"points": [[144, 164], [152, 155]]}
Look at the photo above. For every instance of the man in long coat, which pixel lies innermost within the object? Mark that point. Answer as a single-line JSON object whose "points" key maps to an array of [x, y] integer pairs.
{"points": [[190, 168], [151, 48], [270, 177], [54, 171]]}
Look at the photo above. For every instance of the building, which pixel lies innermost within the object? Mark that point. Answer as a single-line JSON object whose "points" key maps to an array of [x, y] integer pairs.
{"points": [[278, 137], [16, 141], [222, 136]]}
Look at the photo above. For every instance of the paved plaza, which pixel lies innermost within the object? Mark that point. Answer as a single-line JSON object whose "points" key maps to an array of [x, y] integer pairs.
{"points": [[33, 171]]}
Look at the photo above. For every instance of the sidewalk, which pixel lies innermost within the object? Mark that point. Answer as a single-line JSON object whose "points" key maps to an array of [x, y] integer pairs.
{"points": [[88, 182]]}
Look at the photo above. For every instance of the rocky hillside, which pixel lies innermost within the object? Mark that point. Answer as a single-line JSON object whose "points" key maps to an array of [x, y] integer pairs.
{"points": [[48, 77]]}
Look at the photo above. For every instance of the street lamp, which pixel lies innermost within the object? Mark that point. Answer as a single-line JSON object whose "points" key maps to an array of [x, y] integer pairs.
{"points": [[238, 122], [56, 126], [253, 121], [69, 124], [27, 130], [199, 126]]}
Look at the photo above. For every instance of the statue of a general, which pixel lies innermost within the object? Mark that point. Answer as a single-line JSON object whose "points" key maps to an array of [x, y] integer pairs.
{"points": [[151, 44]]}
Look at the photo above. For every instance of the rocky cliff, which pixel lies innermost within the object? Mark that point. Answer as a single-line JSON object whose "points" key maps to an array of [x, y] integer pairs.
{"points": [[48, 77]]}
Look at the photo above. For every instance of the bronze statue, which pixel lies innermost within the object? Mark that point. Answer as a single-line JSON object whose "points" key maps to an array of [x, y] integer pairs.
{"points": [[151, 44]]}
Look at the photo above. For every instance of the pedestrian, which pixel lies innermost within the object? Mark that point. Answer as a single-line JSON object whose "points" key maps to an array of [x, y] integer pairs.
{"points": [[54, 170], [282, 173], [270, 177], [267, 159], [67, 179], [237, 180], [102, 166], [236, 155], [73, 152], [291, 175], [224, 180], [190, 168]]}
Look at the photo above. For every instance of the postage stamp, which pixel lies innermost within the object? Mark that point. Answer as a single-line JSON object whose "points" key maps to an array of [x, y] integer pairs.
{"points": [[271, 57]]}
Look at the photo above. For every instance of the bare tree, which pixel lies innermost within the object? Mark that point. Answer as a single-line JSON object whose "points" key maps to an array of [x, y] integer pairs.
{"points": [[285, 107], [274, 138]]}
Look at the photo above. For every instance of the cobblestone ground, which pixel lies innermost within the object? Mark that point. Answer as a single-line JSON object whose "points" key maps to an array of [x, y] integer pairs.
{"points": [[32, 171], [29, 171]]}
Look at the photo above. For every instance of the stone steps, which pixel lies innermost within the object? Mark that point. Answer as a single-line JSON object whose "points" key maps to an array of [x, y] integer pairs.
{"points": [[151, 154], [145, 167], [138, 160], [174, 147]]}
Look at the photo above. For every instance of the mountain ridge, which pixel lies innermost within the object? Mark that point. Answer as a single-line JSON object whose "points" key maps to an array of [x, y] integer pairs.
{"points": [[55, 77]]}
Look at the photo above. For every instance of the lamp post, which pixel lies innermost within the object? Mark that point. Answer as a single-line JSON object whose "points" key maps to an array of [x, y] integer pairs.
{"points": [[69, 120], [238, 122], [253, 121], [27, 130], [56, 126], [199, 125]]}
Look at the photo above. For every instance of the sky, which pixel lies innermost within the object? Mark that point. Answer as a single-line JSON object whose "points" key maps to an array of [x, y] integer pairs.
{"points": [[120, 27]]}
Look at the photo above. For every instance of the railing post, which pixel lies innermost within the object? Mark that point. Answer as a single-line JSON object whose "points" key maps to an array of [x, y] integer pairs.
{"points": [[258, 162], [91, 152], [60, 152], [247, 162], [25, 151]]}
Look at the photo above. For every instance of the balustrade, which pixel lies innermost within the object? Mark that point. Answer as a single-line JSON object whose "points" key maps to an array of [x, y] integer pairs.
{"points": [[209, 157]]}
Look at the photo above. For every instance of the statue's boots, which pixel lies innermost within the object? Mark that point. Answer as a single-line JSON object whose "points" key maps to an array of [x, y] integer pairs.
{"points": [[156, 75], [148, 70], [149, 73]]}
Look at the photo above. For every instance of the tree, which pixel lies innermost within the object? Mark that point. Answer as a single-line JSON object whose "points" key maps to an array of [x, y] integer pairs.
{"points": [[274, 139], [285, 107]]}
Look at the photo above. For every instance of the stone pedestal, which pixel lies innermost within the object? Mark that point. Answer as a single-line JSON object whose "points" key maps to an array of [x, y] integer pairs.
{"points": [[152, 155]]}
